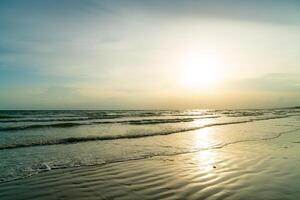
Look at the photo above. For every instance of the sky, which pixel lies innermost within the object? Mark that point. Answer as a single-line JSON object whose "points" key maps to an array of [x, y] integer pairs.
{"points": [[167, 54]]}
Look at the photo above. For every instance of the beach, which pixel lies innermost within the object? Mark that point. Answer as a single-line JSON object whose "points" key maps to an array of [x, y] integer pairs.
{"points": [[232, 155], [134, 100]]}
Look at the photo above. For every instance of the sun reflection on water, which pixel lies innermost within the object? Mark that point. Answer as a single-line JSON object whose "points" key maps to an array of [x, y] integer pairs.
{"points": [[203, 139]]}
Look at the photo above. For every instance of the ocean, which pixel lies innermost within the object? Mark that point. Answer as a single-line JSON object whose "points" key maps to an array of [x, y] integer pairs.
{"points": [[40, 142]]}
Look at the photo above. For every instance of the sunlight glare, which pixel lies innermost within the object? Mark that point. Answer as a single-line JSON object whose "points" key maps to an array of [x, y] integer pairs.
{"points": [[201, 70]]}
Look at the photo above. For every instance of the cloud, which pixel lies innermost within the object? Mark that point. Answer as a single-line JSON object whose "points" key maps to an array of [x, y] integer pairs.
{"points": [[264, 11], [127, 48], [274, 82], [61, 91]]}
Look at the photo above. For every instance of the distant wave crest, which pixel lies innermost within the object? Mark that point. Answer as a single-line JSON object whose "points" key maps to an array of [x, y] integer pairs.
{"points": [[131, 122], [72, 140]]}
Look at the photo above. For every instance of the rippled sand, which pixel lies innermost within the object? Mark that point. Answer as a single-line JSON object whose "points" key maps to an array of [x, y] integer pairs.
{"points": [[262, 169]]}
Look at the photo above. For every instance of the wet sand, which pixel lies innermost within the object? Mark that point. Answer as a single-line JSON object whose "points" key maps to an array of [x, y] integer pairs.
{"points": [[264, 169]]}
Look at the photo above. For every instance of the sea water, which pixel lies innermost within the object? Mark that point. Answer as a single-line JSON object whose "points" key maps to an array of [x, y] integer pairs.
{"points": [[33, 142]]}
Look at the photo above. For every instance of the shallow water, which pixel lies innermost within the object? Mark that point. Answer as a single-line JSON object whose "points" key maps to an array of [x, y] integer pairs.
{"points": [[255, 160], [33, 142]]}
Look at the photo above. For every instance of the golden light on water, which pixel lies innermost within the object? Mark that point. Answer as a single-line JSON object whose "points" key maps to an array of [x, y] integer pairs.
{"points": [[206, 158], [203, 139], [201, 70]]}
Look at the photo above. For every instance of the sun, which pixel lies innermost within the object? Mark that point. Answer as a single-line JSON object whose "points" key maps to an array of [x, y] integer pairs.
{"points": [[201, 70]]}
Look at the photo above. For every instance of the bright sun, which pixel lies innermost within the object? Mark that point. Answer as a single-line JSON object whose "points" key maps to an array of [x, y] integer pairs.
{"points": [[201, 70]]}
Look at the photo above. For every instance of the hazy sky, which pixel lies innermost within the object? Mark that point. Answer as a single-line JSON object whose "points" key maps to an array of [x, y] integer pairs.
{"points": [[61, 54]]}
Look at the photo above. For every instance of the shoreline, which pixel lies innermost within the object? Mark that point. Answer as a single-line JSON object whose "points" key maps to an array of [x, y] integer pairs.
{"points": [[239, 171]]}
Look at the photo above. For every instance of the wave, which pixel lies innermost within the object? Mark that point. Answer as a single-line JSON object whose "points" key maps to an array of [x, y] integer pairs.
{"points": [[162, 121], [35, 126], [72, 140], [6, 117], [9, 120], [131, 122], [43, 120], [45, 116], [248, 113], [12, 119]]}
